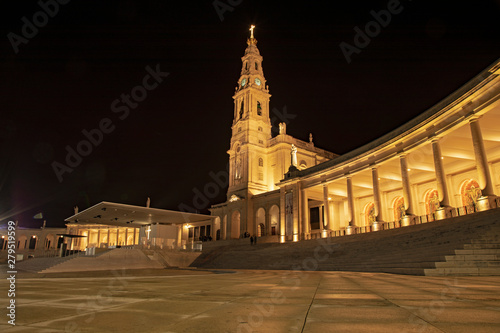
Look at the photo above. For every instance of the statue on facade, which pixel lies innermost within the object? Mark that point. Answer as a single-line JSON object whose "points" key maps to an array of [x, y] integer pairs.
{"points": [[282, 127], [293, 154], [237, 173], [310, 138], [75, 209]]}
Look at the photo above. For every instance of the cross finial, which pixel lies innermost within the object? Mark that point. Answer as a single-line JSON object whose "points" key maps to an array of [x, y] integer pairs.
{"points": [[251, 31]]}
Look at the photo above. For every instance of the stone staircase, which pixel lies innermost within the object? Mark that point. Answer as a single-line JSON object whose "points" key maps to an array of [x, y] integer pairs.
{"points": [[480, 257], [39, 264], [416, 250], [114, 259]]}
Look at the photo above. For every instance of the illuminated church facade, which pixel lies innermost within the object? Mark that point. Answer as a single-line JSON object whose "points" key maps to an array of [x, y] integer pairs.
{"points": [[443, 163]]}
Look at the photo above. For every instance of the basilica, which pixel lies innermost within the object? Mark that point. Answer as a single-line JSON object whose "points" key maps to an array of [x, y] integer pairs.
{"points": [[443, 163]]}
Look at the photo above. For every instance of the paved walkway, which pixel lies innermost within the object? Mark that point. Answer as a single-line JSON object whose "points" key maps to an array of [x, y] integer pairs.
{"points": [[252, 301]]}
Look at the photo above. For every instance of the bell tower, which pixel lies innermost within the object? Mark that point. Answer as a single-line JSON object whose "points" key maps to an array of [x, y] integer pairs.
{"points": [[251, 129]]}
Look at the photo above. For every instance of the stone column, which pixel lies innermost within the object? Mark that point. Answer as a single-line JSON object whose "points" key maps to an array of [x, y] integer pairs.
{"points": [[296, 205], [481, 159], [99, 237], [407, 219], [306, 226], [108, 236], [376, 200], [442, 188], [326, 220], [126, 236], [351, 228], [179, 235], [440, 174], [268, 220], [135, 240], [117, 236], [227, 234], [282, 215]]}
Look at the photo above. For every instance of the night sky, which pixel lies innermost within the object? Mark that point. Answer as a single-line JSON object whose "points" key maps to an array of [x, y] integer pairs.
{"points": [[66, 76]]}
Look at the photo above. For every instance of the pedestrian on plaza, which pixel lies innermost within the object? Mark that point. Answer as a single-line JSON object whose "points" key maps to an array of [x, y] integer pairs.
{"points": [[251, 240]]}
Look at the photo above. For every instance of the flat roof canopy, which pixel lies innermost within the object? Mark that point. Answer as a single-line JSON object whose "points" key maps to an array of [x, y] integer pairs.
{"points": [[129, 216]]}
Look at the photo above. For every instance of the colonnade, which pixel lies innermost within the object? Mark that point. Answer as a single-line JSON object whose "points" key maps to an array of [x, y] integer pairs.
{"points": [[298, 189]]}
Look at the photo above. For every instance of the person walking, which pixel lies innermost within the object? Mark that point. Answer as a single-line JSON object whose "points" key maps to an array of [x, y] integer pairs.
{"points": [[251, 240]]}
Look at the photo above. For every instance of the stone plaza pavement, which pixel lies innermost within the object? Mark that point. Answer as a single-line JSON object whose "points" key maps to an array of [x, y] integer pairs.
{"points": [[251, 301]]}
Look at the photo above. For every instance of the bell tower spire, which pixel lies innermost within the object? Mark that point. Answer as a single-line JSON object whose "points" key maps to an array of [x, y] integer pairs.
{"points": [[251, 130]]}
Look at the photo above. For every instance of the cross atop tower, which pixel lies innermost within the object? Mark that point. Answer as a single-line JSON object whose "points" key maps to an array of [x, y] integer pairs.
{"points": [[251, 31]]}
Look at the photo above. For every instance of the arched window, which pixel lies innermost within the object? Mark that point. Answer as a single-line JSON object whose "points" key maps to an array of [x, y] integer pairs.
{"points": [[261, 162], [470, 192], [256, 66], [242, 108], [246, 65], [259, 109], [431, 201], [370, 213], [399, 208], [260, 129]]}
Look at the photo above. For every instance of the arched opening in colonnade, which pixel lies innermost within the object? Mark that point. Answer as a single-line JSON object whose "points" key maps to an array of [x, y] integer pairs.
{"points": [[470, 192], [260, 219], [217, 228], [274, 218]]}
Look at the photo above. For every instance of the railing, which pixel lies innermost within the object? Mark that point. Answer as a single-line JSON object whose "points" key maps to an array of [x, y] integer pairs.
{"points": [[450, 212]]}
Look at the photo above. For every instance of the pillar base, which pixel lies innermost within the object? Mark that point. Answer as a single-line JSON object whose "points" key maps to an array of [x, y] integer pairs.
{"points": [[376, 226], [350, 230], [486, 202], [407, 220], [443, 213], [324, 233]]}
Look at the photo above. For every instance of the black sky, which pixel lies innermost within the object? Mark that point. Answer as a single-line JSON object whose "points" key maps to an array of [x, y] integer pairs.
{"points": [[65, 78]]}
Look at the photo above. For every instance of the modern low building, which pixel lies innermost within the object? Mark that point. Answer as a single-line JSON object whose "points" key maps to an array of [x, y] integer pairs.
{"points": [[443, 163], [32, 239], [110, 224]]}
